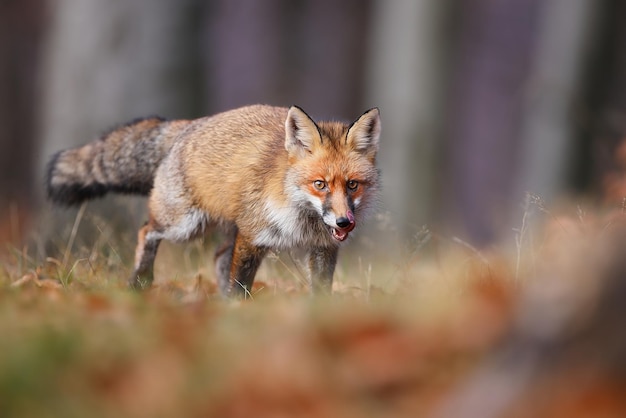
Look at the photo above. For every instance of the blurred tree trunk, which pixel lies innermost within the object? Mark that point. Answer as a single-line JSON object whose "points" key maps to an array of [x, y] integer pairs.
{"points": [[550, 125], [604, 106], [242, 52], [405, 80], [281, 52], [496, 40], [22, 25], [106, 63], [335, 35]]}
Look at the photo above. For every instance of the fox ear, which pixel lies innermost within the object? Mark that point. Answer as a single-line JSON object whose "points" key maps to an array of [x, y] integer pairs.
{"points": [[301, 133], [364, 133]]}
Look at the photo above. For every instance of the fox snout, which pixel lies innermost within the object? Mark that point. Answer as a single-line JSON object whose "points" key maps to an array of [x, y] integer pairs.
{"points": [[342, 226], [346, 222], [343, 222]]}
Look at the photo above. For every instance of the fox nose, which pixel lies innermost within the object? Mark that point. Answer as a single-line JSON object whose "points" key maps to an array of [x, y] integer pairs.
{"points": [[343, 222]]}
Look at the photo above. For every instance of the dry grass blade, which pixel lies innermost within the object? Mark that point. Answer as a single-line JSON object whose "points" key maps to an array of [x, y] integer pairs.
{"points": [[70, 243]]}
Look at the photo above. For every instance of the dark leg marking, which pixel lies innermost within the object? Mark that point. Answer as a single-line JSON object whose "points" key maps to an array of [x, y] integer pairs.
{"points": [[145, 253], [322, 263]]}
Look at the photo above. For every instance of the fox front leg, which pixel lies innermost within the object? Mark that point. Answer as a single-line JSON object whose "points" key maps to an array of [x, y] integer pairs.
{"points": [[223, 261], [322, 263], [236, 265], [147, 245]]}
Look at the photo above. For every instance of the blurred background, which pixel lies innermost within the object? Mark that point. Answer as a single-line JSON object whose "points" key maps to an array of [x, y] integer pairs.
{"points": [[481, 100]]}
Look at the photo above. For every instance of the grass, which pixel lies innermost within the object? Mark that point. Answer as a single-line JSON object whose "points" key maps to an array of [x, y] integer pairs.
{"points": [[534, 328]]}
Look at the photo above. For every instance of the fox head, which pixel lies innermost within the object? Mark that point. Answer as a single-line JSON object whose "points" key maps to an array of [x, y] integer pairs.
{"points": [[333, 167]]}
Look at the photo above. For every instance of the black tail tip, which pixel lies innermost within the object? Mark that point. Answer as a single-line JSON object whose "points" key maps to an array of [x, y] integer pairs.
{"points": [[67, 192], [74, 194]]}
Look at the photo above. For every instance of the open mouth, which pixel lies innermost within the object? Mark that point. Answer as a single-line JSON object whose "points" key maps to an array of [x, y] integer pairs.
{"points": [[340, 234]]}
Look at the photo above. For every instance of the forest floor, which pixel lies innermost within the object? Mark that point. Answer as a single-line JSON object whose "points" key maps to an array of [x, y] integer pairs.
{"points": [[531, 328]]}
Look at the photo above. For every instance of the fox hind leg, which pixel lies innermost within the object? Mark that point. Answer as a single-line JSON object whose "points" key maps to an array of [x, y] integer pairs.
{"points": [[148, 240]]}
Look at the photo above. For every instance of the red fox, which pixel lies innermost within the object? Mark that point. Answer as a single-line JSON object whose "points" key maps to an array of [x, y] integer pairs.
{"points": [[270, 177]]}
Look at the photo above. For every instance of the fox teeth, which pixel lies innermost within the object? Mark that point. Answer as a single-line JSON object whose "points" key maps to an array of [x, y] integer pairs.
{"points": [[339, 235]]}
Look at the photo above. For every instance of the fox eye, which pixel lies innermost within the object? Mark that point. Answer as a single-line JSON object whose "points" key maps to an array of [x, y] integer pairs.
{"points": [[319, 184], [353, 185]]}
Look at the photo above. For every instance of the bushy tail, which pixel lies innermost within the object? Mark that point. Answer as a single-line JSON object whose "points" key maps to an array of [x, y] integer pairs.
{"points": [[123, 160]]}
